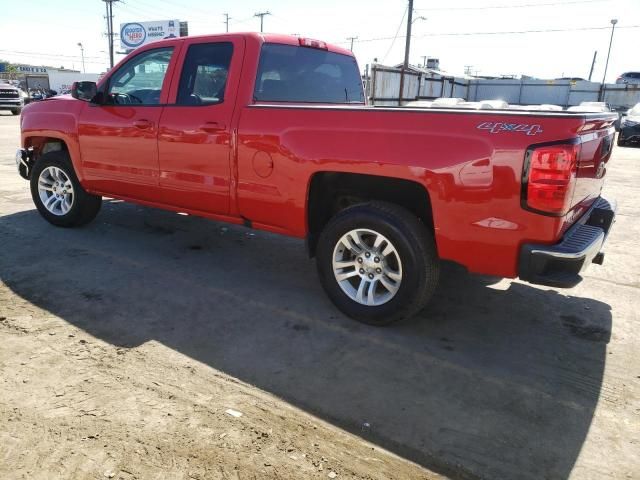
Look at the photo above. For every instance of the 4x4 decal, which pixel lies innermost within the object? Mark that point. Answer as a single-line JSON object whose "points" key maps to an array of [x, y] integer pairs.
{"points": [[499, 127]]}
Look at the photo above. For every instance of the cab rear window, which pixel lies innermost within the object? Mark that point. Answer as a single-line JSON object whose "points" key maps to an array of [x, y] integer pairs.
{"points": [[288, 73]]}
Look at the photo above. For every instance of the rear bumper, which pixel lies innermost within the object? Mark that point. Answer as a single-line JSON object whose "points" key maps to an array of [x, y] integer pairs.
{"points": [[560, 265]]}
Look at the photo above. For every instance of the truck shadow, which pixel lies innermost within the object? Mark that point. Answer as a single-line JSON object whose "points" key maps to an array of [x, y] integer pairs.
{"points": [[492, 381]]}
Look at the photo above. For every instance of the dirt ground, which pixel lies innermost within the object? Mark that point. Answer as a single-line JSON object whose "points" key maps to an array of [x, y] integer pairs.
{"points": [[128, 346]]}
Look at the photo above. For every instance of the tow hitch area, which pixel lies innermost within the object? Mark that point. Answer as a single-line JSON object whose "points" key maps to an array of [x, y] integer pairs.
{"points": [[560, 265], [24, 162]]}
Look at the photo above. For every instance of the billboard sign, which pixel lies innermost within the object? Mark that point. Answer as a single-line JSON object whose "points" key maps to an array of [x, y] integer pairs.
{"points": [[136, 34]]}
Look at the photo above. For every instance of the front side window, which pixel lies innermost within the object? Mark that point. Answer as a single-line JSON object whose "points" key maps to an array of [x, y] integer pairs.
{"points": [[288, 73], [204, 74], [139, 81]]}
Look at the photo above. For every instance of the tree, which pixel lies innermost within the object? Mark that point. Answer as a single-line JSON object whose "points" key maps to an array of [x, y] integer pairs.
{"points": [[11, 71]]}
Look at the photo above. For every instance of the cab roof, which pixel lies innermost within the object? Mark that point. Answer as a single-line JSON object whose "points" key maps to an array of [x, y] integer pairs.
{"points": [[263, 38]]}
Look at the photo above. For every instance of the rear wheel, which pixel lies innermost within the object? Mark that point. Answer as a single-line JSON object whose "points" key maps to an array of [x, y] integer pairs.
{"points": [[377, 262], [16, 111], [57, 193]]}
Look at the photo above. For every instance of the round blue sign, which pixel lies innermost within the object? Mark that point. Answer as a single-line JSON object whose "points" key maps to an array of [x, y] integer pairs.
{"points": [[133, 35]]}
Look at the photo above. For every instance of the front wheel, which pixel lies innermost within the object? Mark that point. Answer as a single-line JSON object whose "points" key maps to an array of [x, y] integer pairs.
{"points": [[377, 262], [16, 111], [621, 142], [57, 193]]}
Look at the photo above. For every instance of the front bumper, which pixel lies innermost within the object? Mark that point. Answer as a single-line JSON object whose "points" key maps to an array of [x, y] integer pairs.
{"points": [[630, 133], [560, 265], [24, 162], [10, 104]]}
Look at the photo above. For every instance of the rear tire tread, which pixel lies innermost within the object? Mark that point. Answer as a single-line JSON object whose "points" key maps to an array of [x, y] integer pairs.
{"points": [[418, 237]]}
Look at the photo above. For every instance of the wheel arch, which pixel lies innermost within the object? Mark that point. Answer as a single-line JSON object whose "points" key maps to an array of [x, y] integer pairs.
{"points": [[330, 192], [39, 144]]}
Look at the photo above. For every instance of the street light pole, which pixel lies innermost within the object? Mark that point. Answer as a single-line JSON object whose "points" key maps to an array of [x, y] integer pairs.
{"points": [[606, 65], [82, 54]]}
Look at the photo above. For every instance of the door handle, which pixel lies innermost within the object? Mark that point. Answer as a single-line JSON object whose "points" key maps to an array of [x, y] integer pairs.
{"points": [[213, 127], [143, 124]]}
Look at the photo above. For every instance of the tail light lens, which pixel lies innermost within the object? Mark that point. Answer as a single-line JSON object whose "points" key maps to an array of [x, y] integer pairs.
{"points": [[311, 43], [551, 178]]}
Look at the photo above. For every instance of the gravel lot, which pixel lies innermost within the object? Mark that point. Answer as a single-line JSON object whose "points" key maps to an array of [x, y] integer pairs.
{"points": [[124, 343]]}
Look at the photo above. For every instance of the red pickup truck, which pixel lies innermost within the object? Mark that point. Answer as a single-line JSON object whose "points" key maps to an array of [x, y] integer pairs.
{"points": [[273, 132]]}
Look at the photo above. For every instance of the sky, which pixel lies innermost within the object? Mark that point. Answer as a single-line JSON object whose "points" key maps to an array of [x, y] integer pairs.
{"points": [[561, 37]]}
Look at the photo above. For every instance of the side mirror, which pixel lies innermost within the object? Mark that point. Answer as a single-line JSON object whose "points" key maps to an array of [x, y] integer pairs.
{"points": [[85, 91]]}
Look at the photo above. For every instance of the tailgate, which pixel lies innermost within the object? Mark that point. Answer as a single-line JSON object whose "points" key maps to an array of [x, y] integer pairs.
{"points": [[596, 137]]}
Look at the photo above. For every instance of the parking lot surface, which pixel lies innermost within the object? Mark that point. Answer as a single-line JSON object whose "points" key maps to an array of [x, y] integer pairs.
{"points": [[124, 344]]}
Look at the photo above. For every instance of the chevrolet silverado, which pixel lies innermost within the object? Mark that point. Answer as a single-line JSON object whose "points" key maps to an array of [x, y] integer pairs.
{"points": [[273, 132]]}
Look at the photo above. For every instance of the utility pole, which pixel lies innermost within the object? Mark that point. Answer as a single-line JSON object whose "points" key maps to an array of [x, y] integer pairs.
{"points": [[352, 39], [606, 65], [593, 64], [407, 47], [424, 60], [82, 54], [226, 20], [110, 34], [262, 15]]}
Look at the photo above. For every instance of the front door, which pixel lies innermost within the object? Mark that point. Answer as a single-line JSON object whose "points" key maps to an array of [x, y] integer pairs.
{"points": [[194, 141], [119, 138]]}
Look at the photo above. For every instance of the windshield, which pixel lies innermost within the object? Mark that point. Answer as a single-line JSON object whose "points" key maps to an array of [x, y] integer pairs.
{"points": [[635, 111], [289, 73]]}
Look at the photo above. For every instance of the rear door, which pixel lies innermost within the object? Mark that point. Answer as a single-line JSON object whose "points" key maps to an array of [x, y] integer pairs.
{"points": [[118, 139], [194, 141]]}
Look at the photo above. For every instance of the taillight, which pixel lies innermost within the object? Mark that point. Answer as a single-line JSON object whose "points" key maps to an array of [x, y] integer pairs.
{"points": [[311, 43], [550, 178]]}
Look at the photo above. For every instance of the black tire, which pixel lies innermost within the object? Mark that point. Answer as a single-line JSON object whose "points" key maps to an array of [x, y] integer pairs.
{"points": [[85, 206], [16, 111], [415, 245], [621, 142]]}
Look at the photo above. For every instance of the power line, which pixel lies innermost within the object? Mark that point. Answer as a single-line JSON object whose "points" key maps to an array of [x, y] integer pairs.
{"points": [[514, 32], [45, 55], [496, 7], [394, 37]]}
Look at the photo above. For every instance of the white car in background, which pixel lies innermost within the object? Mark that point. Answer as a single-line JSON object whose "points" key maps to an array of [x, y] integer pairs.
{"points": [[629, 78]]}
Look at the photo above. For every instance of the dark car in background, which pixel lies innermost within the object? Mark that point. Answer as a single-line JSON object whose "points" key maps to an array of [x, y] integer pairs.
{"points": [[630, 128]]}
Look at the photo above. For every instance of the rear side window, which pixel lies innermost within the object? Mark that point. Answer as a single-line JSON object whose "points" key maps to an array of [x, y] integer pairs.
{"points": [[204, 74], [289, 73]]}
